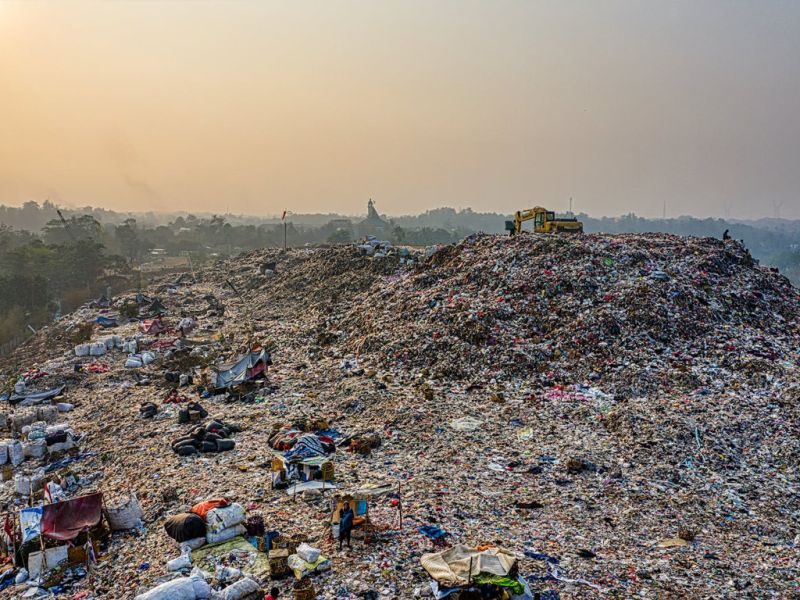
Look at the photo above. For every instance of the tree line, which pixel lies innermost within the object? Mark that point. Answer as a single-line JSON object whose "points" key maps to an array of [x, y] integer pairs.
{"points": [[62, 263]]}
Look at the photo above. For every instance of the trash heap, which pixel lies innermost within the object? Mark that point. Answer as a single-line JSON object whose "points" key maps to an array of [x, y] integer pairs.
{"points": [[635, 313], [582, 417]]}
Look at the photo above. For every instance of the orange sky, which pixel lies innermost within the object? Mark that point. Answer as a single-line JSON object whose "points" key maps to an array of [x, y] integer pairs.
{"points": [[255, 106]]}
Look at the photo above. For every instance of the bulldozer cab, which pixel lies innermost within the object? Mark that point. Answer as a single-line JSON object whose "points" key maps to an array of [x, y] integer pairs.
{"points": [[542, 218]]}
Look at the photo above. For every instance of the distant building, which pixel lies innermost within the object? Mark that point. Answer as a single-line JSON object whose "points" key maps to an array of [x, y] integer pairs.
{"points": [[374, 224]]}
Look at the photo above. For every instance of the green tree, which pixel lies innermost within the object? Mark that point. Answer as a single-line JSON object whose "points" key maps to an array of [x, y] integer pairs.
{"points": [[131, 244], [340, 236]]}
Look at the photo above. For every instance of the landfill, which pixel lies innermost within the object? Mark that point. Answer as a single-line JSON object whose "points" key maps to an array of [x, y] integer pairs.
{"points": [[615, 416]]}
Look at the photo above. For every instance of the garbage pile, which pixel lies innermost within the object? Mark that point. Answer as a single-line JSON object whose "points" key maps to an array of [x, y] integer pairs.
{"points": [[614, 415], [627, 311]]}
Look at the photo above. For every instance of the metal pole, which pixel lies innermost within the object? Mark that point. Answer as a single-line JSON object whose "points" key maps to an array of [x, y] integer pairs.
{"points": [[400, 505], [284, 236]]}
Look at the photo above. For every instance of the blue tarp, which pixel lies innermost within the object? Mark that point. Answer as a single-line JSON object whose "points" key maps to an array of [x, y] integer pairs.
{"points": [[431, 531], [106, 321]]}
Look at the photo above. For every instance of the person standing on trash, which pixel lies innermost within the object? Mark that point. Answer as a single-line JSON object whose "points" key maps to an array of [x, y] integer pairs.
{"points": [[726, 235], [273, 594], [345, 524]]}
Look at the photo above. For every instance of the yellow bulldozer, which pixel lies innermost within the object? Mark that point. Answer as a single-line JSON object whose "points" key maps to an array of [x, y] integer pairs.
{"points": [[544, 221]]}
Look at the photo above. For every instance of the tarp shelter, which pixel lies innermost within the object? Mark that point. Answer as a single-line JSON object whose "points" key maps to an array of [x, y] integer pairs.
{"points": [[66, 520], [156, 308], [247, 368], [359, 502], [36, 397], [302, 469], [459, 565], [153, 326]]}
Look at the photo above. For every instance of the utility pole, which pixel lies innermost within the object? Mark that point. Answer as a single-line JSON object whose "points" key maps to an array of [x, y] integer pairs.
{"points": [[283, 218], [570, 205]]}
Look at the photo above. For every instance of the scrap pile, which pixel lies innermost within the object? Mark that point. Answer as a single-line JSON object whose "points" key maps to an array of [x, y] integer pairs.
{"points": [[636, 312], [580, 417]]}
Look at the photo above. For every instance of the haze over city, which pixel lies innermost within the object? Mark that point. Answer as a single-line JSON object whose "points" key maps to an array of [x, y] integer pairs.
{"points": [[254, 107]]}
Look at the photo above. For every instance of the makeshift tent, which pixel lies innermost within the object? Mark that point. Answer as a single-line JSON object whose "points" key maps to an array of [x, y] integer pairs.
{"points": [[460, 564], [285, 470], [153, 326], [247, 368], [36, 397], [156, 308], [66, 520], [359, 502]]}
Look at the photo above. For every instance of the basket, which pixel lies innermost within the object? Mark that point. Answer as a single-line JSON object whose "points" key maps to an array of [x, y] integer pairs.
{"points": [[327, 471], [304, 589], [279, 563], [284, 542], [280, 542]]}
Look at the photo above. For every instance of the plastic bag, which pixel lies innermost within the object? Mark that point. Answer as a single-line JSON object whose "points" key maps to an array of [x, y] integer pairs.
{"points": [[184, 561], [97, 349], [225, 534], [127, 516], [16, 454], [194, 543], [308, 553], [183, 588], [218, 519], [241, 589]]}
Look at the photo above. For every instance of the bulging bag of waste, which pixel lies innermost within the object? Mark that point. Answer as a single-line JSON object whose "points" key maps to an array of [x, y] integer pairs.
{"points": [[133, 362], [308, 553], [16, 453], [25, 484], [227, 574], [182, 588], [218, 519], [35, 448], [82, 350], [20, 420], [148, 357], [97, 349], [124, 517], [225, 534], [48, 413], [194, 543], [241, 589], [3, 452], [184, 561]]}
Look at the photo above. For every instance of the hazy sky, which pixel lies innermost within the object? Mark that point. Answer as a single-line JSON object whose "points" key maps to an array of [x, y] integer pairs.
{"points": [[256, 106]]}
